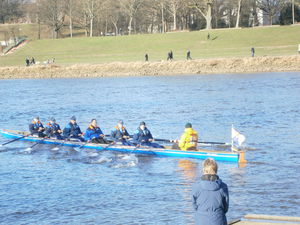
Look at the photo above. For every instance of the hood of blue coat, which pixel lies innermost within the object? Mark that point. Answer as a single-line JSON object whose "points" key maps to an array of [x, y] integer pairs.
{"points": [[210, 185]]}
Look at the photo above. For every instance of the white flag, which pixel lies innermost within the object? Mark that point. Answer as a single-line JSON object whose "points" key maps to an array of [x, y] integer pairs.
{"points": [[237, 138]]}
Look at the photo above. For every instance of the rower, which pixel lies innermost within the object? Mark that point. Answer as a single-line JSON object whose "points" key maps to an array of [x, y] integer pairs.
{"points": [[53, 129], [188, 140], [120, 135], [36, 128], [94, 134], [143, 137], [72, 130]]}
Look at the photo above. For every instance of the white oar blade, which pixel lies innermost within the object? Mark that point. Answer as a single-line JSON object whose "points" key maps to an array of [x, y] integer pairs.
{"points": [[77, 149], [55, 149]]}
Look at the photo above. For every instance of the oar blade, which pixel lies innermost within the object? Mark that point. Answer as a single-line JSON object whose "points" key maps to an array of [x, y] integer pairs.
{"points": [[55, 149]]}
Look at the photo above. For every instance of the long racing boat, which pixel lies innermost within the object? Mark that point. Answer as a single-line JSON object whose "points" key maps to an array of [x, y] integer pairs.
{"points": [[236, 156]]}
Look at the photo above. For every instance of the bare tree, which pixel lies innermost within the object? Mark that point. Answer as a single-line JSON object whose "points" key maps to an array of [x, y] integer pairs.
{"points": [[270, 7], [237, 24], [53, 13], [70, 14], [130, 8], [10, 10], [89, 7], [205, 9], [113, 12], [174, 6]]}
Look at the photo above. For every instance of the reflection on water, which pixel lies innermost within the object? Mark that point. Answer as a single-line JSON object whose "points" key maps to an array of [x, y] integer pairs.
{"points": [[89, 187], [188, 169]]}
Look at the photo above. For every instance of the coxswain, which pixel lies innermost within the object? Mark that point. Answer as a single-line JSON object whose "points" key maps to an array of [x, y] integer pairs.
{"points": [[53, 129], [94, 134], [36, 128], [143, 137], [120, 135], [188, 140], [72, 130]]}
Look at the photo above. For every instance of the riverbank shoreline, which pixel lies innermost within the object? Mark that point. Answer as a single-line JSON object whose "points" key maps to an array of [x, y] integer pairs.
{"points": [[118, 69]]}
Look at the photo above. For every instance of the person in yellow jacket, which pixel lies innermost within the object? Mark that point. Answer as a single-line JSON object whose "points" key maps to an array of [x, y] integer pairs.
{"points": [[188, 140]]}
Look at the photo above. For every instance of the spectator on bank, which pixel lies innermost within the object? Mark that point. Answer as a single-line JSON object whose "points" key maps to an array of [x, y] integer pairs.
{"points": [[32, 61], [210, 196], [170, 55], [252, 51], [27, 61], [146, 57], [188, 55]]}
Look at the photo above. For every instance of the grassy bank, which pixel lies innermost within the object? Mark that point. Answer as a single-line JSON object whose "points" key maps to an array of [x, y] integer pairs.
{"points": [[224, 43]]}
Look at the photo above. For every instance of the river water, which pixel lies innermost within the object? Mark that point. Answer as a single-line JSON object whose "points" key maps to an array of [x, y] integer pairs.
{"points": [[67, 187]]}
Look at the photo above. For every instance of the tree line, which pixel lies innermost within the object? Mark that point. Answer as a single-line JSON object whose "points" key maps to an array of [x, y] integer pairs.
{"points": [[119, 17]]}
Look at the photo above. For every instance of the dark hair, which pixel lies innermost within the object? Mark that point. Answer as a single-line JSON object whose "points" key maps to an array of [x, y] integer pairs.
{"points": [[188, 125], [93, 120]]}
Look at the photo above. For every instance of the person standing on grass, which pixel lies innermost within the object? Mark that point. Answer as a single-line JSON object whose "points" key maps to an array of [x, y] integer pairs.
{"points": [[188, 55], [252, 51], [210, 196], [146, 57], [27, 61]]}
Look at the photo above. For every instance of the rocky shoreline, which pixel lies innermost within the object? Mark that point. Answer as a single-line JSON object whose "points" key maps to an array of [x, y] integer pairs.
{"points": [[116, 69]]}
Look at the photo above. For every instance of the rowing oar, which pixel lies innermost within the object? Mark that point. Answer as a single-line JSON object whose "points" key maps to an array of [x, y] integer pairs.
{"points": [[57, 146], [38, 142], [201, 142], [14, 140], [77, 149]]}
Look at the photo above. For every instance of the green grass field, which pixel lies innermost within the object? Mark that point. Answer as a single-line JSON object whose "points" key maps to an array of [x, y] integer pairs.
{"points": [[270, 41]]}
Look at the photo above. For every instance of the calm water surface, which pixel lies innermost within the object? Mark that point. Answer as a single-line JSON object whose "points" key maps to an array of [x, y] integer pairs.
{"points": [[67, 187]]}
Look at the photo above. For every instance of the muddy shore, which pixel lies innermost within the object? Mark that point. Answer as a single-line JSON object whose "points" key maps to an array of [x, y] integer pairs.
{"points": [[115, 69]]}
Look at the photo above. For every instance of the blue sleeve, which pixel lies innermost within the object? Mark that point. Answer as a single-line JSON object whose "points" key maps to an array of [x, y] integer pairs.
{"points": [[113, 135], [87, 135], [67, 131], [225, 198], [195, 195], [136, 136], [100, 131], [150, 135], [48, 130], [31, 129], [126, 133]]}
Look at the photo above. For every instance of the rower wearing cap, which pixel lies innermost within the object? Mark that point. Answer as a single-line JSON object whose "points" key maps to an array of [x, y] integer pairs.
{"points": [[36, 128], [72, 130], [53, 129], [188, 140], [144, 137], [94, 134], [120, 134]]}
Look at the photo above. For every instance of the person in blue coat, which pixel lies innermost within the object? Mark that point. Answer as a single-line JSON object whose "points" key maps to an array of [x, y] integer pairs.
{"points": [[53, 129], [210, 196], [72, 130], [94, 134], [120, 135], [36, 128], [143, 137]]}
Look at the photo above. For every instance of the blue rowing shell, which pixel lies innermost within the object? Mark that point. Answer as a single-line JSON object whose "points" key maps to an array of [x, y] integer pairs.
{"points": [[199, 154]]}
